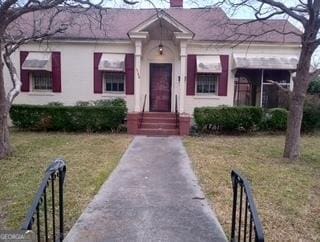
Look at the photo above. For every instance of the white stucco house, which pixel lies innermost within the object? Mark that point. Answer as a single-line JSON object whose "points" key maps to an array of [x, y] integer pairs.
{"points": [[160, 60]]}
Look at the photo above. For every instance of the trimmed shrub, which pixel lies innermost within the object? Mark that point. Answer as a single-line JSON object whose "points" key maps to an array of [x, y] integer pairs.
{"points": [[73, 119], [84, 103], [314, 87], [227, 119], [274, 119], [118, 102], [311, 113], [55, 104]]}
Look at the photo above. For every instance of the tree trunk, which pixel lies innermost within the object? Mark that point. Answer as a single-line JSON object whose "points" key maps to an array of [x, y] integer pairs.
{"points": [[296, 102], [5, 148], [292, 145]]}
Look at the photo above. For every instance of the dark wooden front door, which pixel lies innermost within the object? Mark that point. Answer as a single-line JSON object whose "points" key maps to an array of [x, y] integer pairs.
{"points": [[160, 87]]}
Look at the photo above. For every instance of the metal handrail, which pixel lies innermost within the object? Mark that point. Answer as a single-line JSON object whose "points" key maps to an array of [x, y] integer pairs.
{"points": [[177, 113], [143, 108], [255, 226], [57, 169]]}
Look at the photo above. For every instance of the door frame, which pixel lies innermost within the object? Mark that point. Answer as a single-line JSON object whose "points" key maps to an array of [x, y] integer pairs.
{"points": [[170, 84]]}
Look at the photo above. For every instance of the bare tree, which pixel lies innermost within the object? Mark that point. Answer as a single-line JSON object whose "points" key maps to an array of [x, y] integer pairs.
{"points": [[305, 12], [15, 31]]}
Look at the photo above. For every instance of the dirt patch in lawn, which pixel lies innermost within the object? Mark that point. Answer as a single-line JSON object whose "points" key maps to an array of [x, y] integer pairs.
{"points": [[90, 160], [287, 193]]}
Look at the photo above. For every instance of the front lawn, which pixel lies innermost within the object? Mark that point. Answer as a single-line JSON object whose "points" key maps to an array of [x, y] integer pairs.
{"points": [[287, 194], [90, 160]]}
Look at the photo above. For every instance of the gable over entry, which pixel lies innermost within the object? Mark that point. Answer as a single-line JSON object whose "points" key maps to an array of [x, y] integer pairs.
{"points": [[171, 28], [163, 32]]}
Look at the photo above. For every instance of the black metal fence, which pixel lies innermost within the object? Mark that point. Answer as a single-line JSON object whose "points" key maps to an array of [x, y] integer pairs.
{"points": [[246, 225], [46, 212]]}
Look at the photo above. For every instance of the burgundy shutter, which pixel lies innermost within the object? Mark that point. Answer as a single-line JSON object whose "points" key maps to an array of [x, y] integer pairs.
{"points": [[129, 62], [191, 74], [223, 79], [56, 72], [24, 74], [97, 75]]}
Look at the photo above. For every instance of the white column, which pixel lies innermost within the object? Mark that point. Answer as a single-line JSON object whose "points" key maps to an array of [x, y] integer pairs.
{"points": [[262, 81], [183, 74], [291, 81], [137, 75]]}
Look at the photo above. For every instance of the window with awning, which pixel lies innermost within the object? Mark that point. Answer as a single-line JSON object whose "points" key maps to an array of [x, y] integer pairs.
{"points": [[113, 73], [40, 71], [207, 74], [112, 62], [114, 69], [38, 61], [208, 64]]}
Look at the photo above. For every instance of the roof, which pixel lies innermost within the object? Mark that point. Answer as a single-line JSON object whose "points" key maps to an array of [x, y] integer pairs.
{"points": [[207, 24]]}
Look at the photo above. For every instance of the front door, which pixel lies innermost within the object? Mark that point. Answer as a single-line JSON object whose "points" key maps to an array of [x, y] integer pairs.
{"points": [[160, 87]]}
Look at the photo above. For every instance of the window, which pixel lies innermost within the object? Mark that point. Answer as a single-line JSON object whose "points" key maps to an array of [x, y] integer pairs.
{"points": [[42, 80], [207, 83], [114, 81]]}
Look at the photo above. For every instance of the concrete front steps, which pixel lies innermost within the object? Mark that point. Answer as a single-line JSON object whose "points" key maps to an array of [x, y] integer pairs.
{"points": [[159, 124]]}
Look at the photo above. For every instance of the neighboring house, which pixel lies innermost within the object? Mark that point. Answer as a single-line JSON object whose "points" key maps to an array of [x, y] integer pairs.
{"points": [[167, 58]]}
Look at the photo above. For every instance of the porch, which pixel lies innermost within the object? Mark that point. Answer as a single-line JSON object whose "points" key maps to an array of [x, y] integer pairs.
{"points": [[262, 81]]}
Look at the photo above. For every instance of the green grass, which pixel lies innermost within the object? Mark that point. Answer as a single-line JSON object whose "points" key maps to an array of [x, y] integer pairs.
{"points": [[90, 160], [287, 193]]}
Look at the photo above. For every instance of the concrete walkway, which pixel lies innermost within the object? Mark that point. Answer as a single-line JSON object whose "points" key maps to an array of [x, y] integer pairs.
{"points": [[152, 195]]}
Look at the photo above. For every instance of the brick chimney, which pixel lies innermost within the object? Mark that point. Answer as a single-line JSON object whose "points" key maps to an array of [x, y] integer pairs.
{"points": [[176, 3]]}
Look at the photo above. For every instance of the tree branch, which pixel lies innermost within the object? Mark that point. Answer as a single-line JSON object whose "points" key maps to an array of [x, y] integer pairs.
{"points": [[279, 86], [16, 82], [287, 10], [130, 2]]}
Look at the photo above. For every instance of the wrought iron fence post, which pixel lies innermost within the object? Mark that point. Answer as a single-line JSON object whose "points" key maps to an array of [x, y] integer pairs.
{"points": [[56, 169], [254, 224], [234, 206], [62, 172]]}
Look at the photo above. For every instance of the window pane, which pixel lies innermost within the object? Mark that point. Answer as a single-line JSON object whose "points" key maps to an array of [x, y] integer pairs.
{"points": [[212, 88], [108, 86], [198, 88], [121, 87], [114, 82], [42, 80], [114, 87], [205, 88], [206, 83]]}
